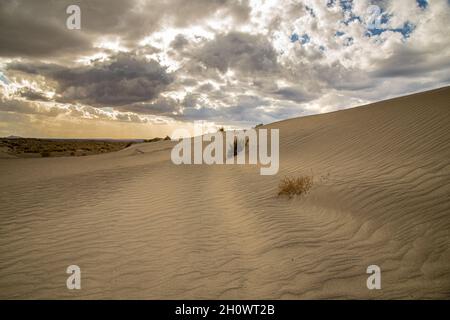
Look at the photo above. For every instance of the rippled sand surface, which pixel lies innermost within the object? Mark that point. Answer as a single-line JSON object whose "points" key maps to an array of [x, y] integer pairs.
{"points": [[140, 227]]}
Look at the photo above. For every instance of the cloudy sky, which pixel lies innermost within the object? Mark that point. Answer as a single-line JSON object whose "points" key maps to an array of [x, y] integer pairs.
{"points": [[139, 69]]}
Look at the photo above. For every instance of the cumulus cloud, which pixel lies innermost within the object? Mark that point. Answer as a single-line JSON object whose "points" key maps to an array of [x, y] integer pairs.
{"points": [[30, 94], [121, 79]]}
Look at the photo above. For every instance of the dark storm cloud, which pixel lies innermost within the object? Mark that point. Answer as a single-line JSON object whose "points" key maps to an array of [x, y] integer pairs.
{"points": [[190, 101], [31, 94], [38, 28], [339, 77], [179, 42], [27, 29], [189, 82], [236, 50], [207, 87], [293, 94], [28, 107], [406, 62], [120, 80]]}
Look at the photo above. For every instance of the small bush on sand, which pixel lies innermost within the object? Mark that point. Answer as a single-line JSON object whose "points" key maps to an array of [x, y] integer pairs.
{"points": [[292, 186], [237, 147], [45, 154]]}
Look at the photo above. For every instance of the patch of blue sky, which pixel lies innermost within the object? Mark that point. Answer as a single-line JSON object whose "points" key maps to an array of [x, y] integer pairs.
{"points": [[346, 5], [4, 79], [294, 37], [405, 30], [422, 3], [378, 26], [303, 39], [352, 18]]}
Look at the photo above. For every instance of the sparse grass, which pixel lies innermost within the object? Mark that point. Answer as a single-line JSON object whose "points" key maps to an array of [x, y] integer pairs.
{"points": [[167, 138], [237, 146], [31, 147], [292, 186]]}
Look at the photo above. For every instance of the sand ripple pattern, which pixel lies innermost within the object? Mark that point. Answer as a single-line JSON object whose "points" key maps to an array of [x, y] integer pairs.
{"points": [[141, 227]]}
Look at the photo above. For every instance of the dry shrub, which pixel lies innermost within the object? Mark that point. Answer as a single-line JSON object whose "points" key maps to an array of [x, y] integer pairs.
{"points": [[292, 186]]}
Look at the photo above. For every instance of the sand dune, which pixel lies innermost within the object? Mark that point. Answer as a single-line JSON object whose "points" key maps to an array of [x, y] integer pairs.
{"points": [[140, 227]]}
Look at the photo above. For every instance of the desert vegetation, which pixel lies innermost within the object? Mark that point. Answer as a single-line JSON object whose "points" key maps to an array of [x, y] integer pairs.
{"points": [[167, 138], [292, 186], [35, 148]]}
